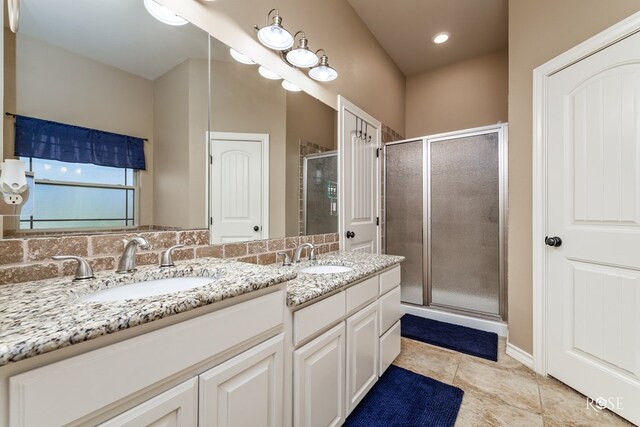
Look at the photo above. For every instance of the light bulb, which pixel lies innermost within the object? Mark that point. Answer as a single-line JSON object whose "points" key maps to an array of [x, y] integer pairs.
{"points": [[268, 74], [323, 73], [303, 58], [290, 86], [242, 58], [163, 14], [274, 36], [441, 38]]}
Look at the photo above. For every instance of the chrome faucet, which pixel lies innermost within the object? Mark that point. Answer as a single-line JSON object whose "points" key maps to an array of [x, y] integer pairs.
{"points": [[166, 260], [83, 271], [298, 252], [128, 261]]}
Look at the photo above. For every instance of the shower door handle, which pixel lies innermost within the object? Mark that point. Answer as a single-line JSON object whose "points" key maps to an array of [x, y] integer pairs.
{"points": [[350, 234], [553, 241]]}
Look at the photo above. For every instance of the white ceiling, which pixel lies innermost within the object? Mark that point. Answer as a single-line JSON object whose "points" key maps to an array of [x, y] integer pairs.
{"points": [[120, 33], [404, 28]]}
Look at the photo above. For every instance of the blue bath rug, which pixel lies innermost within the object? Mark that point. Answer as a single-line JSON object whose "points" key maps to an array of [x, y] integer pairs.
{"points": [[454, 337], [402, 398]]}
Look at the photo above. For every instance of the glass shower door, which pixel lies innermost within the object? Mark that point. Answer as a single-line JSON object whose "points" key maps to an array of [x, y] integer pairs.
{"points": [[465, 219], [404, 175], [320, 190]]}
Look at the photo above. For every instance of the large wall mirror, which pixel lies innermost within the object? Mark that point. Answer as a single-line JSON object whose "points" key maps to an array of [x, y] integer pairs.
{"points": [[224, 148]]}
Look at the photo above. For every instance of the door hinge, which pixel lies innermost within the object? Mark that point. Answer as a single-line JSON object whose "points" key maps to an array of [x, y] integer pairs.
{"points": [[210, 160], [377, 220], [210, 220], [377, 152]]}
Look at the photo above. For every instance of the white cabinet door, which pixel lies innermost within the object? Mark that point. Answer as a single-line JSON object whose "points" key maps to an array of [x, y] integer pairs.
{"points": [[245, 391], [175, 407], [363, 342], [318, 381]]}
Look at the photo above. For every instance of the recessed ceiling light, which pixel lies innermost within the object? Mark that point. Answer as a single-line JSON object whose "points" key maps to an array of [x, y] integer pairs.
{"points": [[290, 86], [268, 74], [242, 58], [441, 38], [163, 13]]}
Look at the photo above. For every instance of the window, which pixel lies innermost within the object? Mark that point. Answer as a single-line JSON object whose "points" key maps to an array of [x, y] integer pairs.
{"points": [[80, 195]]}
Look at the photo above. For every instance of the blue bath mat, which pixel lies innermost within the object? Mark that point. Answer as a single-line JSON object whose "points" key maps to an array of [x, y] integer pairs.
{"points": [[402, 398], [454, 337]]}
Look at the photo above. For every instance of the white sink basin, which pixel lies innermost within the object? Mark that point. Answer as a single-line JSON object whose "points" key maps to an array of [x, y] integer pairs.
{"points": [[147, 289], [325, 269]]}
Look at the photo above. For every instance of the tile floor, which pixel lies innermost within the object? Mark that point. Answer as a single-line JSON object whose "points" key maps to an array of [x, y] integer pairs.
{"points": [[503, 393]]}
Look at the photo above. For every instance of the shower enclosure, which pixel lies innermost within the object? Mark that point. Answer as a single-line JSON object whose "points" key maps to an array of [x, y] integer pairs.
{"points": [[320, 193], [445, 205]]}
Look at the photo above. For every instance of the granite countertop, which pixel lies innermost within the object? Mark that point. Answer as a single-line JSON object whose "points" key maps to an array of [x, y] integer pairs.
{"points": [[39, 317], [307, 287], [43, 316]]}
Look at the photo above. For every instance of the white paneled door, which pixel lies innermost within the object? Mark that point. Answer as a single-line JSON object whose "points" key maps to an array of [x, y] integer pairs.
{"points": [[239, 199], [359, 180], [593, 207]]}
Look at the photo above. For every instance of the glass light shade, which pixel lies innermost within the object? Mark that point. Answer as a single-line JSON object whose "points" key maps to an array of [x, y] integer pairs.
{"points": [[302, 57], [290, 86], [163, 14], [441, 38], [268, 74], [275, 37], [323, 73], [242, 58]]}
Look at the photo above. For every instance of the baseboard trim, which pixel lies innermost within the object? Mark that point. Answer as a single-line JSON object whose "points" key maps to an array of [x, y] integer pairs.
{"points": [[499, 328], [520, 355]]}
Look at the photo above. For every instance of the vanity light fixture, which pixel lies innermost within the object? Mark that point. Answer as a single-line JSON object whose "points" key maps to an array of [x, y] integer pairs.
{"points": [[274, 36], [301, 56], [163, 13], [323, 72], [290, 86], [240, 57], [268, 74], [441, 37]]}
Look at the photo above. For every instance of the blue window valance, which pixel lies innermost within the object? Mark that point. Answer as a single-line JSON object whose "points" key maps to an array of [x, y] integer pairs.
{"points": [[44, 139]]}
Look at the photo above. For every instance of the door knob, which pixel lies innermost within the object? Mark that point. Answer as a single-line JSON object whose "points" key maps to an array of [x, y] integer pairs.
{"points": [[553, 241], [350, 234], [256, 228]]}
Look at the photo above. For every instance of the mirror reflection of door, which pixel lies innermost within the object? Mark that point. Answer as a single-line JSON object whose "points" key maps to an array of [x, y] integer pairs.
{"points": [[239, 200]]}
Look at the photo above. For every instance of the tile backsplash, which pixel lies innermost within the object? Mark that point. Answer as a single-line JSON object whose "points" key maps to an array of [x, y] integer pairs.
{"points": [[29, 259]]}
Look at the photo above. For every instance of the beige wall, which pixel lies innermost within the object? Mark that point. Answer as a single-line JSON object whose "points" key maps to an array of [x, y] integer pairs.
{"points": [[308, 120], [55, 84], [462, 95], [241, 101], [171, 127], [368, 76], [180, 125], [538, 31]]}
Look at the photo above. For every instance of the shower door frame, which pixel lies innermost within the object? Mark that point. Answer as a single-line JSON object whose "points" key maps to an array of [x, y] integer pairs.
{"points": [[502, 130]]}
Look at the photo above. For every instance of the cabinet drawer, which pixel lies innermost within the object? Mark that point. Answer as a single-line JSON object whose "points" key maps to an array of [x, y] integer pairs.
{"points": [[390, 310], [314, 318], [389, 280], [362, 293], [389, 347], [64, 391]]}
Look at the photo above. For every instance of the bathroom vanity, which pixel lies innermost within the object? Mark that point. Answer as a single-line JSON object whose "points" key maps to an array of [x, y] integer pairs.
{"points": [[256, 346]]}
